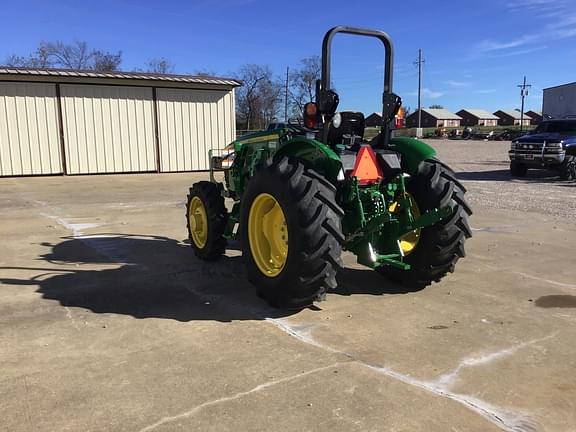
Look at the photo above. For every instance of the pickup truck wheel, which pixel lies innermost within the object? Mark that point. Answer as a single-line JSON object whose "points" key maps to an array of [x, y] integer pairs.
{"points": [[568, 168], [518, 169]]}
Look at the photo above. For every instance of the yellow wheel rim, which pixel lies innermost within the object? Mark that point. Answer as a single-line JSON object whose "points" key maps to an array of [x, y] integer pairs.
{"points": [[268, 235], [198, 222], [408, 241]]}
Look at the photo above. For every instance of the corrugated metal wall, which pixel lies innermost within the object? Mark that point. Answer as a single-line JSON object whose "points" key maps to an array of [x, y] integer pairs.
{"points": [[190, 122], [29, 129], [560, 101], [108, 129]]}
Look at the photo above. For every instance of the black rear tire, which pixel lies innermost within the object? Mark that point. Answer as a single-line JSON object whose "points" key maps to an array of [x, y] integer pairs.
{"points": [[518, 169], [313, 221], [440, 246], [217, 218]]}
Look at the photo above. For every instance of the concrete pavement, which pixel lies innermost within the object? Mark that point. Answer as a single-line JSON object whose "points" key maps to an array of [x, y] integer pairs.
{"points": [[109, 323]]}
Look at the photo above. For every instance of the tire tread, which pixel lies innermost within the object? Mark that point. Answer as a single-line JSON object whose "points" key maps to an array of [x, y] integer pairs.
{"points": [[444, 241]]}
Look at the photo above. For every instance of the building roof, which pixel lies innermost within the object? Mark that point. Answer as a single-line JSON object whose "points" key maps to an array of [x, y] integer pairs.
{"points": [[25, 74], [441, 114], [480, 113], [512, 113], [561, 85], [534, 113]]}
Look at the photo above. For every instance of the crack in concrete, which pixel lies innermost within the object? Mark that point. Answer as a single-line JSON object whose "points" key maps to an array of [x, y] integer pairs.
{"points": [[235, 396], [507, 420], [446, 380], [529, 276], [304, 335], [551, 282]]}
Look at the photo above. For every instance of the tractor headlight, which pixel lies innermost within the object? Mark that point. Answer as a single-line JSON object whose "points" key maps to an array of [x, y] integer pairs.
{"points": [[337, 120]]}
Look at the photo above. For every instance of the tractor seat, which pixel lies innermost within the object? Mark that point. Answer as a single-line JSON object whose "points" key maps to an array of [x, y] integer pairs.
{"points": [[350, 130]]}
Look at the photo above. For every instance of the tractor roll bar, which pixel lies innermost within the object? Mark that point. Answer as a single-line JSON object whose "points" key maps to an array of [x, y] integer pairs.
{"points": [[389, 100], [388, 56]]}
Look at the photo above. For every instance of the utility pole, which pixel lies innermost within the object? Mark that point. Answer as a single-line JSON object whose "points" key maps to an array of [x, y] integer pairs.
{"points": [[523, 93], [419, 64], [286, 97]]}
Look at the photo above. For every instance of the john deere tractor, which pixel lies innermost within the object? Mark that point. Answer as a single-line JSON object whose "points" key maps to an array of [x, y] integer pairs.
{"points": [[305, 192]]}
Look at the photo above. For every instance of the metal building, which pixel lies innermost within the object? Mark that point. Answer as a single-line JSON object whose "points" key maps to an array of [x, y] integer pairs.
{"points": [[69, 122], [559, 101]]}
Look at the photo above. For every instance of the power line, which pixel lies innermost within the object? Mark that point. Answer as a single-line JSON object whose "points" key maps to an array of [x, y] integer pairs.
{"points": [[523, 93], [419, 63]]}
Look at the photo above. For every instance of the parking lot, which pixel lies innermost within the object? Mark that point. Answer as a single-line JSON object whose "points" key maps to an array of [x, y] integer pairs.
{"points": [[109, 323]]}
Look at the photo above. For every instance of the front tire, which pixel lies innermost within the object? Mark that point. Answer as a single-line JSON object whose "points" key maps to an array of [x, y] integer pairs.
{"points": [[291, 234], [518, 169], [568, 168], [206, 218], [439, 246]]}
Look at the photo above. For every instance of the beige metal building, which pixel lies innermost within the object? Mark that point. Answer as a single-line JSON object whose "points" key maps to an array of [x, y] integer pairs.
{"points": [[69, 122]]}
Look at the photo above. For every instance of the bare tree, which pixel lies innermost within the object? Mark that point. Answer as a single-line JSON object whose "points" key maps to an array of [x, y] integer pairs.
{"points": [[258, 100], [247, 98], [74, 56], [160, 65], [14, 60], [271, 94], [105, 61], [303, 83], [38, 60]]}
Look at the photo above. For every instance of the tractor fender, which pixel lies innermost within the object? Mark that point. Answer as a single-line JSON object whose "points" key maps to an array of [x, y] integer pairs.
{"points": [[413, 152], [317, 155]]}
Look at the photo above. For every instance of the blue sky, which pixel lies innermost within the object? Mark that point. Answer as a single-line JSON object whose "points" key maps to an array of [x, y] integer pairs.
{"points": [[475, 52]]}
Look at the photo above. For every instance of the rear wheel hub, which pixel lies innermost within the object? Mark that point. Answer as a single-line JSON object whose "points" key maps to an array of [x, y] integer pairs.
{"points": [[268, 235], [408, 241]]}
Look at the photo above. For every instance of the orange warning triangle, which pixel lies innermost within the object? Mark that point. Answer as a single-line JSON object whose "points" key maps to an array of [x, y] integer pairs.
{"points": [[366, 168]]}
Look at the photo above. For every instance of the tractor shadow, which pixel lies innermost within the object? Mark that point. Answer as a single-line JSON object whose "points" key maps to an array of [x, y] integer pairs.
{"points": [[159, 277], [146, 277], [353, 281]]}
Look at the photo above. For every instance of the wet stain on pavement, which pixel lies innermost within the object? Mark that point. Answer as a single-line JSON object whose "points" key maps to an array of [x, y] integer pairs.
{"points": [[556, 301]]}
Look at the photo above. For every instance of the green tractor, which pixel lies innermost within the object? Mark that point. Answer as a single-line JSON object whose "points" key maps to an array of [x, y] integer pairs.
{"points": [[305, 192]]}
